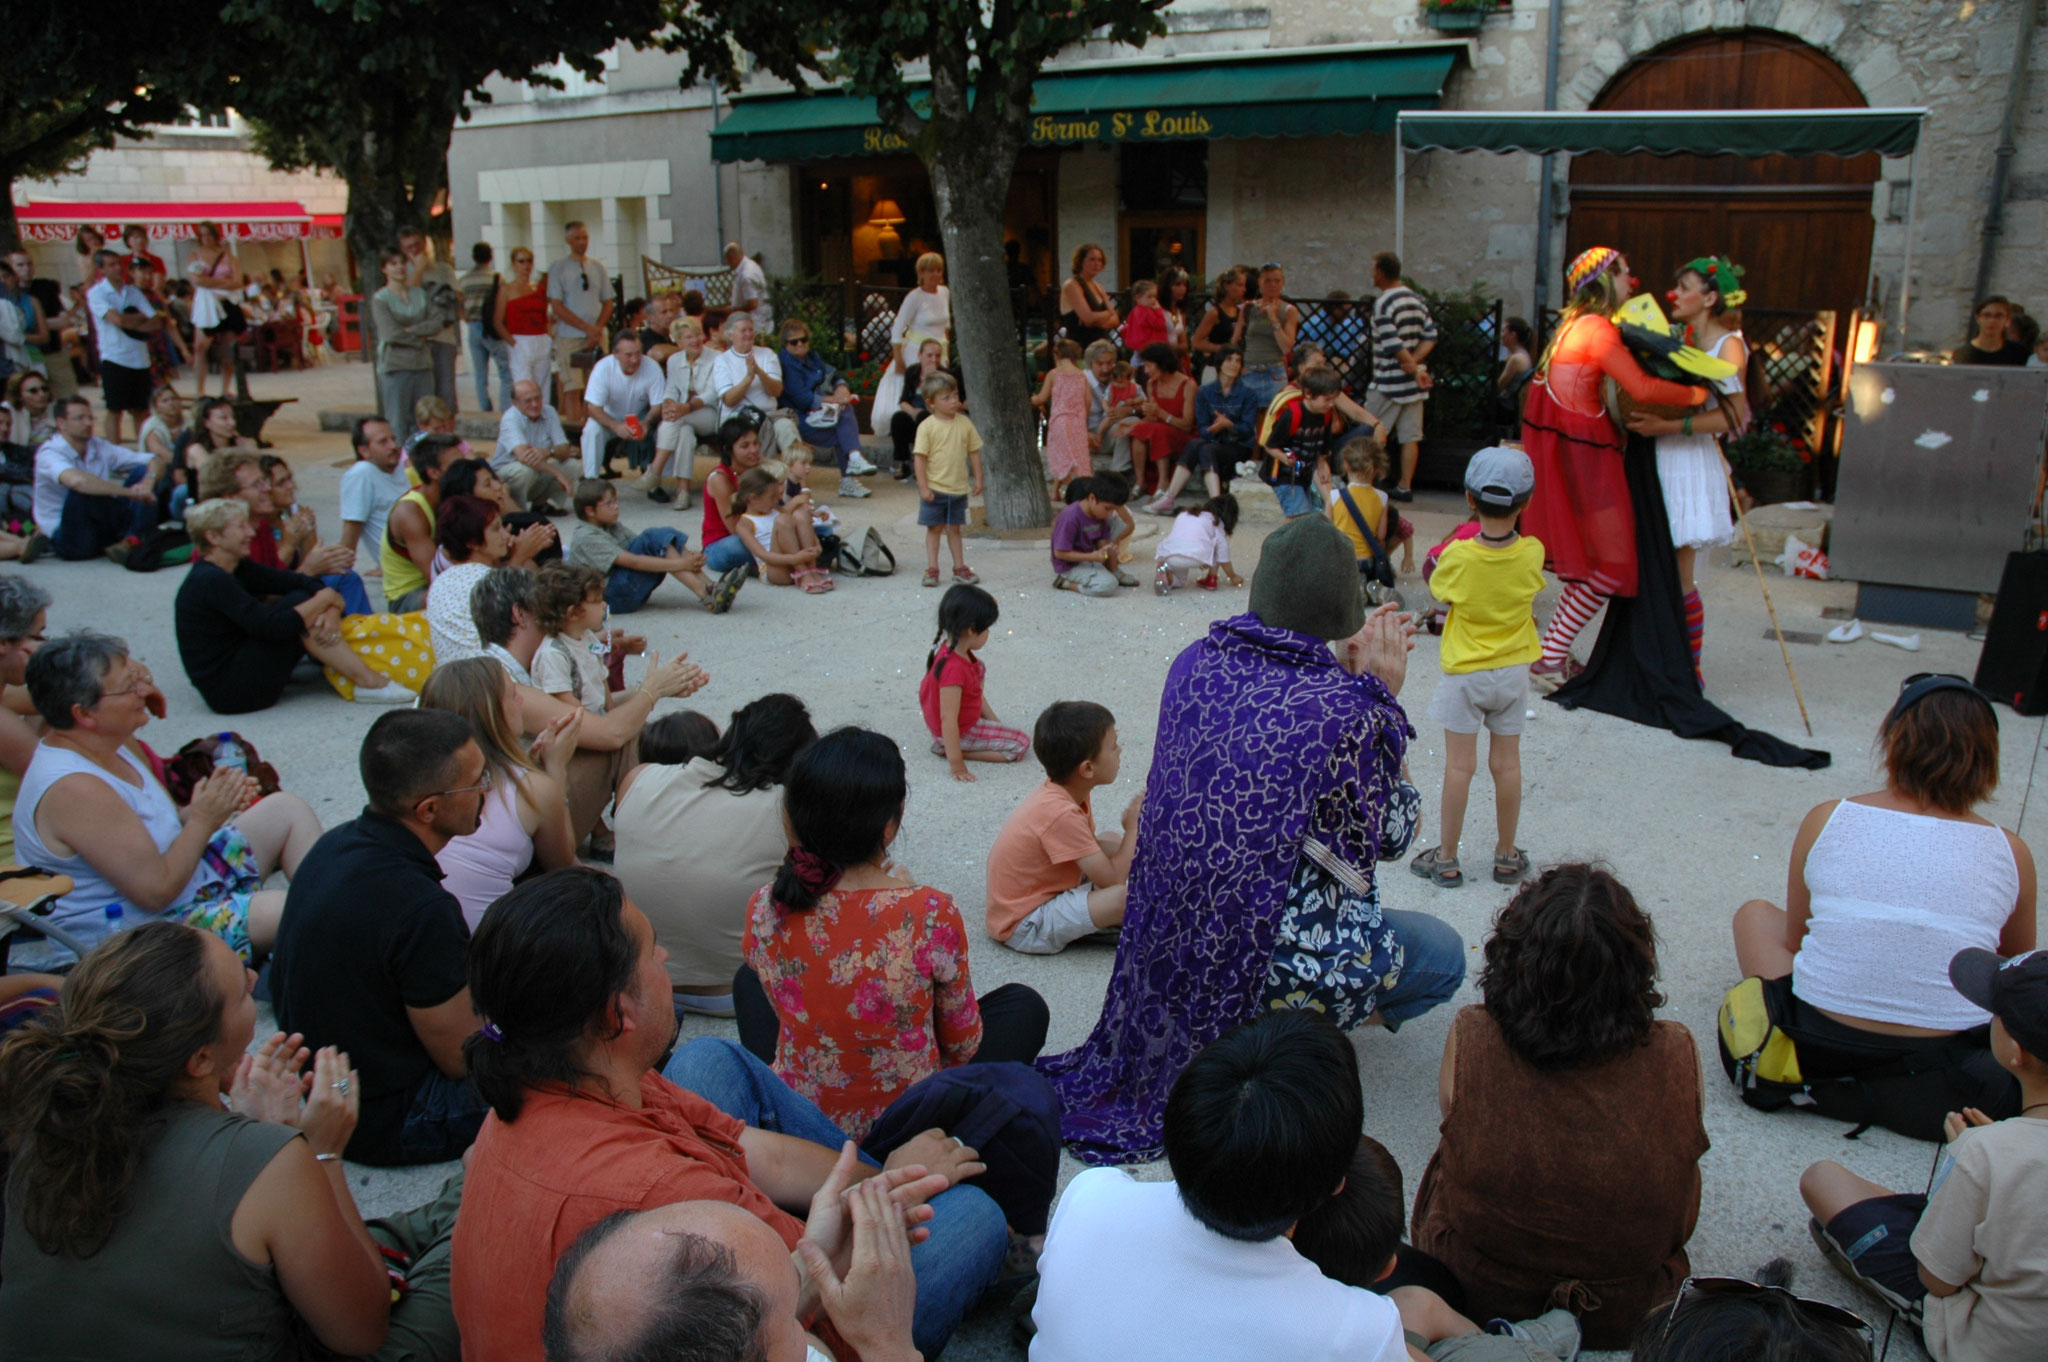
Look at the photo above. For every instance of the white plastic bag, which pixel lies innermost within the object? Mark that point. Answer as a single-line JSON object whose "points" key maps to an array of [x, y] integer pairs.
{"points": [[1802, 559]]}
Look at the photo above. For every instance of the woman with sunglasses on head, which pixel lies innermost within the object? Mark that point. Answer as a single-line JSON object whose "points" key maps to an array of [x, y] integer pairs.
{"points": [[1728, 1319], [521, 316], [1884, 889], [1568, 1171]]}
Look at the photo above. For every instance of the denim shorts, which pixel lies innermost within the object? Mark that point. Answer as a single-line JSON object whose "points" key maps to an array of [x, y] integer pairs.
{"points": [[1294, 501], [944, 508]]}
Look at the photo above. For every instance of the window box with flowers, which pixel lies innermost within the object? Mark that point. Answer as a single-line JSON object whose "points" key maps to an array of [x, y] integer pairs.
{"points": [[1460, 16]]}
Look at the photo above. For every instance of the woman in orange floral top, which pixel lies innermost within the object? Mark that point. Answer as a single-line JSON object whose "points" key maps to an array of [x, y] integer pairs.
{"points": [[867, 972]]}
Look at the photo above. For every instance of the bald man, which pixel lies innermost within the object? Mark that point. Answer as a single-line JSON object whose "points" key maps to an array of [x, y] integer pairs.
{"points": [[532, 450], [707, 1279]]}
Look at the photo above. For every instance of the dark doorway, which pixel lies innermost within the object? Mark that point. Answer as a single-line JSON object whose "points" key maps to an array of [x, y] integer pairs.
{"points": [[1799, 225]]}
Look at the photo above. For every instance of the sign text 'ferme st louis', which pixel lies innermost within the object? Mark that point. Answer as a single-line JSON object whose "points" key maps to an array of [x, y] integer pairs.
{"points": [[1119, 126]]}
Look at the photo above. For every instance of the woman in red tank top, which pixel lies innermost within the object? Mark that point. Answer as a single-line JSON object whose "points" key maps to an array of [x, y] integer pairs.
{"points": [[1580, 509], [522, 318]]}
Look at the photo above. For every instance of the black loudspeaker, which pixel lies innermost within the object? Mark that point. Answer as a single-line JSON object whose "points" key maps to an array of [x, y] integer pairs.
{"points": [[2013, 668]]}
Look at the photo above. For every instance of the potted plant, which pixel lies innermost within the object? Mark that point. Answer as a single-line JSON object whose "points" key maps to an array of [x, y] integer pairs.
{"points": [[1457, 16], [1768, 463]]}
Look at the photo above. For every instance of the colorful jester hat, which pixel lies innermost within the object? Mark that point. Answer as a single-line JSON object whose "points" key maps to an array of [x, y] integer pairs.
{"points": [[1723, 276], [1588, 264]]}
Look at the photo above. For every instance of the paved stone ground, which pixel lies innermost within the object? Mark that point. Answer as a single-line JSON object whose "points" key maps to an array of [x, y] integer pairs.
{"points": [[1693, 831]]}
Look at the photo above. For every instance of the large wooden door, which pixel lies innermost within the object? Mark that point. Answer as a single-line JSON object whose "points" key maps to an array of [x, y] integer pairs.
{"points": [[1800, 226]]}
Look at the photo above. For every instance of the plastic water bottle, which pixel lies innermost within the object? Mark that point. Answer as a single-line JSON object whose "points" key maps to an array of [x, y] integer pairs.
{"points": [[114, 915]]}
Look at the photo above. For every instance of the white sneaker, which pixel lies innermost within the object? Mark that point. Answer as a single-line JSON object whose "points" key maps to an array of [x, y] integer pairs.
{"points": [[390, 693], [859, 467], [853, 490]]}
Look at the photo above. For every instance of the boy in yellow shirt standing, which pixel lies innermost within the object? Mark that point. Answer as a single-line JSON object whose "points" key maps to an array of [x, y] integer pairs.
{"points": [[947, 446], [1489, 584]]}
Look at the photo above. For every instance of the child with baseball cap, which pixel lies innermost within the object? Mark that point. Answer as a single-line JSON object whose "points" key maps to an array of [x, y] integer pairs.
{"points": [[1489, 582], [1968, 1261]]}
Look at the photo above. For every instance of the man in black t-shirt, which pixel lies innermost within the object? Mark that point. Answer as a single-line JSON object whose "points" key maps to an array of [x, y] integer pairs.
{"points": [[372, 952]]}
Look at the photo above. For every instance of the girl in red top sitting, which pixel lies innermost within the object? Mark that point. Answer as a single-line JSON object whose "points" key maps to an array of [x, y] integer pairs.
{"points": [[963, 726], [1581, 508], [866, 971], [739, 448]]}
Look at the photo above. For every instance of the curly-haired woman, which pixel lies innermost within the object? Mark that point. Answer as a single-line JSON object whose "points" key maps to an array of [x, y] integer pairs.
{"points": [[1572, 1132]]}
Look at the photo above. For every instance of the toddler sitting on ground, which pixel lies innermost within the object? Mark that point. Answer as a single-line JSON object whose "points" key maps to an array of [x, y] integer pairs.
{"points": [[1052, 879]]}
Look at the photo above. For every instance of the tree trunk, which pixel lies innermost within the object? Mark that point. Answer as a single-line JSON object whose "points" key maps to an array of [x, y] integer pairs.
{"points": [[971, 184], [394, 173], [10, 226]]}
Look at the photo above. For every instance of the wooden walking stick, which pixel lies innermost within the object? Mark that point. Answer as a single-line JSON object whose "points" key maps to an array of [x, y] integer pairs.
{"points": [[1750, 539]]}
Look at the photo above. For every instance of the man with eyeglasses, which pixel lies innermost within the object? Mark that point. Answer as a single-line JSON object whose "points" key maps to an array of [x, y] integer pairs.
{"points": [[579, 299], [92, 496], [371, 951]]}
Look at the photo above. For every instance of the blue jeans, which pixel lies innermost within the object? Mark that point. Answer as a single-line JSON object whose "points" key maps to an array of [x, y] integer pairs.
{"points": [[727, 554], [845, 436], [964, 1255], [90, 524], [1263, 381], [355, 597], [1433, 966], [482, 350], [627, 589]]}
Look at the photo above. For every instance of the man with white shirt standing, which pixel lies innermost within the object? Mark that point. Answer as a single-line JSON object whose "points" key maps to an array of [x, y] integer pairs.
{"points": [[91, 496], [123, 322], [579, 299], [532, 448], [618, 407], [749, 286]]}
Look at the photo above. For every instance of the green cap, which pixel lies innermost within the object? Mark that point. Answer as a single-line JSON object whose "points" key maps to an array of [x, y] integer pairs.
{"points": [[1307, 580]]}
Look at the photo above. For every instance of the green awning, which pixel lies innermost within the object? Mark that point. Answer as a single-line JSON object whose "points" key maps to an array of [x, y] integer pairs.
{"points": [[1699, 132], [1312, 93]]}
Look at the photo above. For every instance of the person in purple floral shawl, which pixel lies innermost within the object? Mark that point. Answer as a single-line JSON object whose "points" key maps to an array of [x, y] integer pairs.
{"points": [[1277, 784]]}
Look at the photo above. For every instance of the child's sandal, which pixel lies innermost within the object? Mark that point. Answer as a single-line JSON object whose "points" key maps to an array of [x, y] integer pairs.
{"points": [[966, 576], [814, 581], [1441, 871], [1511, 869], [931, 577]]}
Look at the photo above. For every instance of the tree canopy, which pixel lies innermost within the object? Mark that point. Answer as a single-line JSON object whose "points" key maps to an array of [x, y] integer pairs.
{"points": [[968, 123]]}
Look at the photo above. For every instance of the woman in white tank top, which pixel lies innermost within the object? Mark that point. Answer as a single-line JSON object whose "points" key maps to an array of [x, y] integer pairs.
{"points": [[1886, 887]]}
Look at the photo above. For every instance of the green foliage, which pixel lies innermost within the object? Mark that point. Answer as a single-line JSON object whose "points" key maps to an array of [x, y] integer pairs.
{"points": [[994, 49], [1763, 448]]}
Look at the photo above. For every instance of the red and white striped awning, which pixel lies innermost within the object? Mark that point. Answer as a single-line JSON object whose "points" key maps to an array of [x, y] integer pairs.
{"points": [[56, 220]]}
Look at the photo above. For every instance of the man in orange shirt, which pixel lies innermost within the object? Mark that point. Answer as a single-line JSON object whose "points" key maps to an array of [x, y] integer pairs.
{"points": [[576, 998]]}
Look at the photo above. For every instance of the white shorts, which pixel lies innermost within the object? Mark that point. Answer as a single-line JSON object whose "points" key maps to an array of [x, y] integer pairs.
{"points": [[1055, 924], [1466, 701]]}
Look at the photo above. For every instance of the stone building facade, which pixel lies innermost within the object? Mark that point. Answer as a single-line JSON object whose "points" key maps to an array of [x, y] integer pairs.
{"points": [[199, 162], [630, 156]]}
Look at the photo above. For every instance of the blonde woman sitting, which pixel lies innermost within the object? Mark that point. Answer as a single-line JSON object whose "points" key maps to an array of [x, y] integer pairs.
{"points": [[242, 627], [525, 817]]}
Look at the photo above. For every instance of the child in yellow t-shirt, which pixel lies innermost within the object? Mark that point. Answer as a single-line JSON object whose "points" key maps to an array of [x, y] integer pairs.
{"points": [[1365, 463], [1489, 582]]}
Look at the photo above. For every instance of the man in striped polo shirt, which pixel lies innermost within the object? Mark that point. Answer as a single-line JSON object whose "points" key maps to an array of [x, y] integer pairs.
{"points": [[1403, 334]]}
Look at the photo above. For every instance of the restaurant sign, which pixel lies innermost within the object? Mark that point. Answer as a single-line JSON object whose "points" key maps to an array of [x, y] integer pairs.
{"points": [[1120, 125]]}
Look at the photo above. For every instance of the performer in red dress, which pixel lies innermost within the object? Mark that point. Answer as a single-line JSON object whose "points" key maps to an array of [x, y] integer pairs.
{"points": [[1581, 508]]}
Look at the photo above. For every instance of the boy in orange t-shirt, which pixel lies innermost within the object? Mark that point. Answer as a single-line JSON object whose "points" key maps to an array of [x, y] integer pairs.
{"points": [[1052, 880]]}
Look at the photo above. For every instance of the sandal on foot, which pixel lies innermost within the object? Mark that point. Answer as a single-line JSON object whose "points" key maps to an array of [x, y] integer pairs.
{"points": [[1511, 869], [720, 599], [814, 581], [966, 576], [1441, 871], [1548, 678], [931, 577]]}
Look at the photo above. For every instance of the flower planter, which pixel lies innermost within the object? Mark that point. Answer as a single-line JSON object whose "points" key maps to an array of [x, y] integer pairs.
{"points": [[1456, 20], [1772, 485]]}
